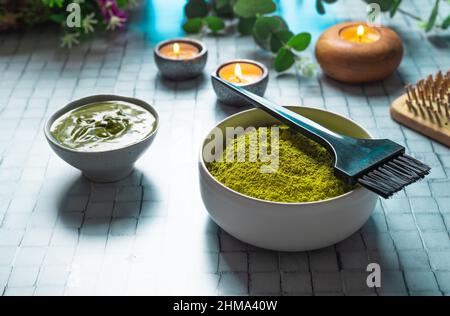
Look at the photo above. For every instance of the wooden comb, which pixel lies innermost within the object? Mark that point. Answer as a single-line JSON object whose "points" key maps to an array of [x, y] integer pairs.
{"points": [[425, 107]]}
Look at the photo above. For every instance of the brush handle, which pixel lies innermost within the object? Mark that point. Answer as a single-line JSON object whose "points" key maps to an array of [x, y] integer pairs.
{"points": [[306, 126]]}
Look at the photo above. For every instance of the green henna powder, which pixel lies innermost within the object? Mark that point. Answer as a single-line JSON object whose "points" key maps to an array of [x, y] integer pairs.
{"points": [[305, 171]]}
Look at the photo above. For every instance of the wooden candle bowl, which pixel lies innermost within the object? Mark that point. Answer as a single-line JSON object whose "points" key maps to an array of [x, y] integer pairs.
{"points": [[358, 63]]}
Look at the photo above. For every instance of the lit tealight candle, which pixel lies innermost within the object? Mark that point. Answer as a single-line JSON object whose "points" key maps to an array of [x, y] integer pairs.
{"points": [[249, 74], [180, 51], [241, 73], [360, 34], [181, 58], [354, 52]]}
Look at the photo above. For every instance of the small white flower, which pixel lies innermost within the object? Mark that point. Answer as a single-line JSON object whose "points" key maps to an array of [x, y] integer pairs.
{"points": [[88, 23], [115, 22], [70, 39], [108, 4]]}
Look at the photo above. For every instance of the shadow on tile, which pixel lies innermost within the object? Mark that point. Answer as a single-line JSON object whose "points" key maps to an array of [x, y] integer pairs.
{"points": [[184, 85], [224, 110], [440, 41], [114, 207]]}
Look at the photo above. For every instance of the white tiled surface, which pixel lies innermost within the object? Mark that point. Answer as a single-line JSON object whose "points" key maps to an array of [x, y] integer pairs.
{"points": [[150, 233]]}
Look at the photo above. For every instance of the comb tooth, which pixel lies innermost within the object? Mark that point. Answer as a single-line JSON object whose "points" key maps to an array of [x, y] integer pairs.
{"points": [[444, 85], [409, 105], [442, 93], [429, 87], [433, 88], [437, 119], [408, 93], [439, 105], [422, 98], [439, 77], [421, 111], [413, 90], [446, 106], [430, 114]]}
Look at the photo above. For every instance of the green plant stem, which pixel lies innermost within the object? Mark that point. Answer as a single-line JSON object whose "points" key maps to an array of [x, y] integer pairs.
{"points": [[415, 17]]}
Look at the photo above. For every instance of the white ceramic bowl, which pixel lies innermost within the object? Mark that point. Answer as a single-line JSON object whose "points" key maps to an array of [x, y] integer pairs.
{"points": [[102, 166], [286, 226]]}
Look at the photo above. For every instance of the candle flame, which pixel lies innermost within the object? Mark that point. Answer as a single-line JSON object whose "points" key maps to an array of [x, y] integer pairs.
{"points": [[176, 48], [238, 71], [360, 31]]}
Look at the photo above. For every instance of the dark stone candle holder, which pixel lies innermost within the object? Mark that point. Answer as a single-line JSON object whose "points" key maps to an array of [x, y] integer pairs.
{"points": [[258, 87], [181, 69]]}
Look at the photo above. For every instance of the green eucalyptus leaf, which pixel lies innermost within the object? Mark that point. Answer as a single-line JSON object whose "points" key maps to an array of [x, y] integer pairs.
{"points": [[223, 8], [320, 7], [215, 23], [422, 24], [53, 3], [446, 23], [263, 43], [193, 26], [432, 19], [252, 8], [284, 36], [300, 42], [395, 7], [284, 60], [58, 18], [221, 3], [245, 26], [266, 25], [275, 44], [283, 23], [280, 39], [196, 9]]}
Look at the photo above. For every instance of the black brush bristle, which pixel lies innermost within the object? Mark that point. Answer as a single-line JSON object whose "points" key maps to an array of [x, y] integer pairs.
{"points": [[394, 175]]}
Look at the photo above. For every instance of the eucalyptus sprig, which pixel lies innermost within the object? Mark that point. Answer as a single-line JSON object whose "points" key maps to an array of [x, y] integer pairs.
{"points": [[392, 7], [432, 21], [255, 18]]}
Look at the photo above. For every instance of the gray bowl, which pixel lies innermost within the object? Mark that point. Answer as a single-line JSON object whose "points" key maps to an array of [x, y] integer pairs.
{"points": [[181, 69], [258, 87], [101, 166]]}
